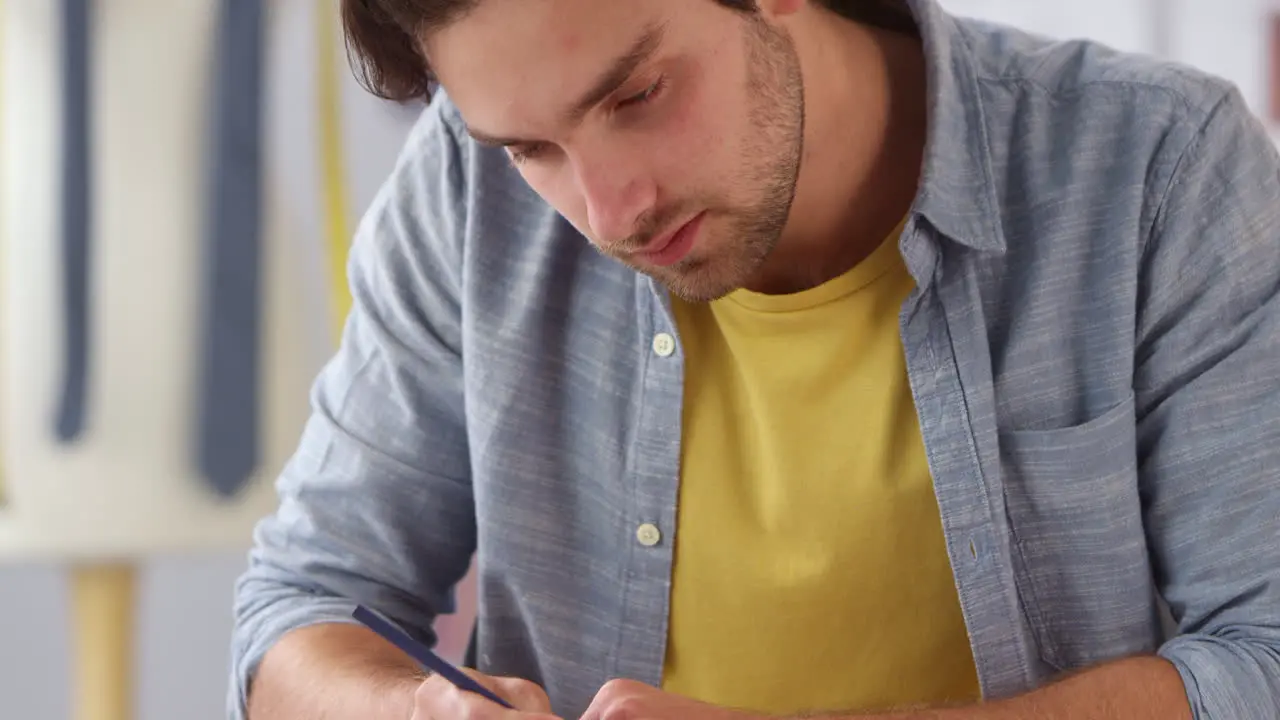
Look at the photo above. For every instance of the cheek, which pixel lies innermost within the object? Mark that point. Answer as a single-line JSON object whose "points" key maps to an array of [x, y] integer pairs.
{"points": [[697, 147], [691, 135]]}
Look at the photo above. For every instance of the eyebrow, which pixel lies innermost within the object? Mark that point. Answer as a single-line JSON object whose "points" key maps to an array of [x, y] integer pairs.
{"points": [[619, 71]]}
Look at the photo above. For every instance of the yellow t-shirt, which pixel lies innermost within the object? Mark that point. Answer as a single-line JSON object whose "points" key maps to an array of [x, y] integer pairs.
{"points": [[810, 568]]}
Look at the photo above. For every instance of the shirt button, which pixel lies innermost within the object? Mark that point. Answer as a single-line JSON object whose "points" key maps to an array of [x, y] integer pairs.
{"points": [[648, 534], [664, 344]]}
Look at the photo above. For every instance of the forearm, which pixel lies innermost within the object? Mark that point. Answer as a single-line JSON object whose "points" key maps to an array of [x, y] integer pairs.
{"points": [[1142, 688], [334, 671]]}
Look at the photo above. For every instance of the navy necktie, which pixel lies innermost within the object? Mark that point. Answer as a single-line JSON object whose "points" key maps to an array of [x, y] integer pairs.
{"points": [[228, 434], [76, 215]]}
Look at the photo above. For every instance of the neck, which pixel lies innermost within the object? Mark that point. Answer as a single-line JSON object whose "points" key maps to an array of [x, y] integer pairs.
{"points": [[864, 143]]}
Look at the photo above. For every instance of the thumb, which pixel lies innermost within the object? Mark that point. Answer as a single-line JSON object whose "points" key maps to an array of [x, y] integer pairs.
{"points": [[524, 695]]}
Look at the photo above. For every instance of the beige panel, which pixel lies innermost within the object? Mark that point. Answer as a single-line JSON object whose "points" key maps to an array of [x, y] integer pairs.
{"points": [[129, 487]]}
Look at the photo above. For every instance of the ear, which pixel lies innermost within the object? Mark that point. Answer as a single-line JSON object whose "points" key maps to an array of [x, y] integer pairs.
{"points": [[780, 8]]}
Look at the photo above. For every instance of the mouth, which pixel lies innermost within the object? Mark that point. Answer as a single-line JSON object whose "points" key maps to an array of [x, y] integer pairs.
{"points": [[671, 247]]}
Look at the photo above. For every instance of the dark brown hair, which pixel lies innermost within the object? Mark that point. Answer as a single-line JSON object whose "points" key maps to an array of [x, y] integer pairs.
{"points": [[382, 36]]}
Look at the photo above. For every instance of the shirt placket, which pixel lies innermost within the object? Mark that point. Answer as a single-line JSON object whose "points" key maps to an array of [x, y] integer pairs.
{"points": [[653, 485], [948, 367]]}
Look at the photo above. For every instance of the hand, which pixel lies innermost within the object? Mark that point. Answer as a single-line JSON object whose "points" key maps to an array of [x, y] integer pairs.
{"points": [[439, 699], [631, 700]]}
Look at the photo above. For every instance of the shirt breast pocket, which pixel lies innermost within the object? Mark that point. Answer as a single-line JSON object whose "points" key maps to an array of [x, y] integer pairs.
{"points": [[1080, 556]]}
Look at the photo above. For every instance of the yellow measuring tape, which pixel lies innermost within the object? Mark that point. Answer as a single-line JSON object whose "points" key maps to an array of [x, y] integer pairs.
{"points": [[103, 602], [334, 196]]}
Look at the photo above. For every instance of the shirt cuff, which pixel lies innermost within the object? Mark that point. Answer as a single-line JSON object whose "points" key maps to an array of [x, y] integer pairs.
{"points": [[252, 639], [1227, 679]]}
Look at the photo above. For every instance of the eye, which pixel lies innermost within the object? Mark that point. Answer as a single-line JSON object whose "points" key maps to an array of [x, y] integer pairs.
{"points": [[524, 153], [646, 95]]}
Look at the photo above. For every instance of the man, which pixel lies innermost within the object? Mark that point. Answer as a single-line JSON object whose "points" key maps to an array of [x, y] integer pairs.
{"points": [[784, 358]]}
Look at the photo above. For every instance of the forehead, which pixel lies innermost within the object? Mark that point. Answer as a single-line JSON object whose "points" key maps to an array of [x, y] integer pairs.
{"points": [[515, 58], [496, 33]]}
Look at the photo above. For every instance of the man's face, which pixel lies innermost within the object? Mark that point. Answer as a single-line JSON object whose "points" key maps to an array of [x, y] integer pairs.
{"points": [[668, 132]]}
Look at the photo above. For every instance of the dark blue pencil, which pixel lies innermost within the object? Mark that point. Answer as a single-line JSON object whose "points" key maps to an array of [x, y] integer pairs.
{"points": [[427, 659]]}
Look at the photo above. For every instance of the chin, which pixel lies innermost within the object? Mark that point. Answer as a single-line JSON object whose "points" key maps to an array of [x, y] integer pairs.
{"points": [[699, 280]]}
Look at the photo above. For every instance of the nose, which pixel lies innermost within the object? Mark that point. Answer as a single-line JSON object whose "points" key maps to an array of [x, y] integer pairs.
{"points": [[617, 195]]}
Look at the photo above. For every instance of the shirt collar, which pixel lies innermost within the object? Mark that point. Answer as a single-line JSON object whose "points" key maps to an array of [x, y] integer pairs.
{"points": [[957, 192]]}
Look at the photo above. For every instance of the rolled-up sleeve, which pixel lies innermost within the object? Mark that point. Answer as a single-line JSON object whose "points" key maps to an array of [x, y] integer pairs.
{"points": [[375, 505], [1207, 383]]}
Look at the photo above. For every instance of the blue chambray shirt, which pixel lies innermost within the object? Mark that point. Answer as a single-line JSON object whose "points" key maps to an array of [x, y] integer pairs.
{"points": [[1093, 349]]}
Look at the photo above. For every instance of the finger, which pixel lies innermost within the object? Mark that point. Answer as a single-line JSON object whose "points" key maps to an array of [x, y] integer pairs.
{"points": [[488, 682], [617, 698], [524, 695], [438, 699]]}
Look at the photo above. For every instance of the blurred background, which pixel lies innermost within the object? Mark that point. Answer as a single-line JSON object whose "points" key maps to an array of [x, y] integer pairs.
{"points": [[111, 516]]}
